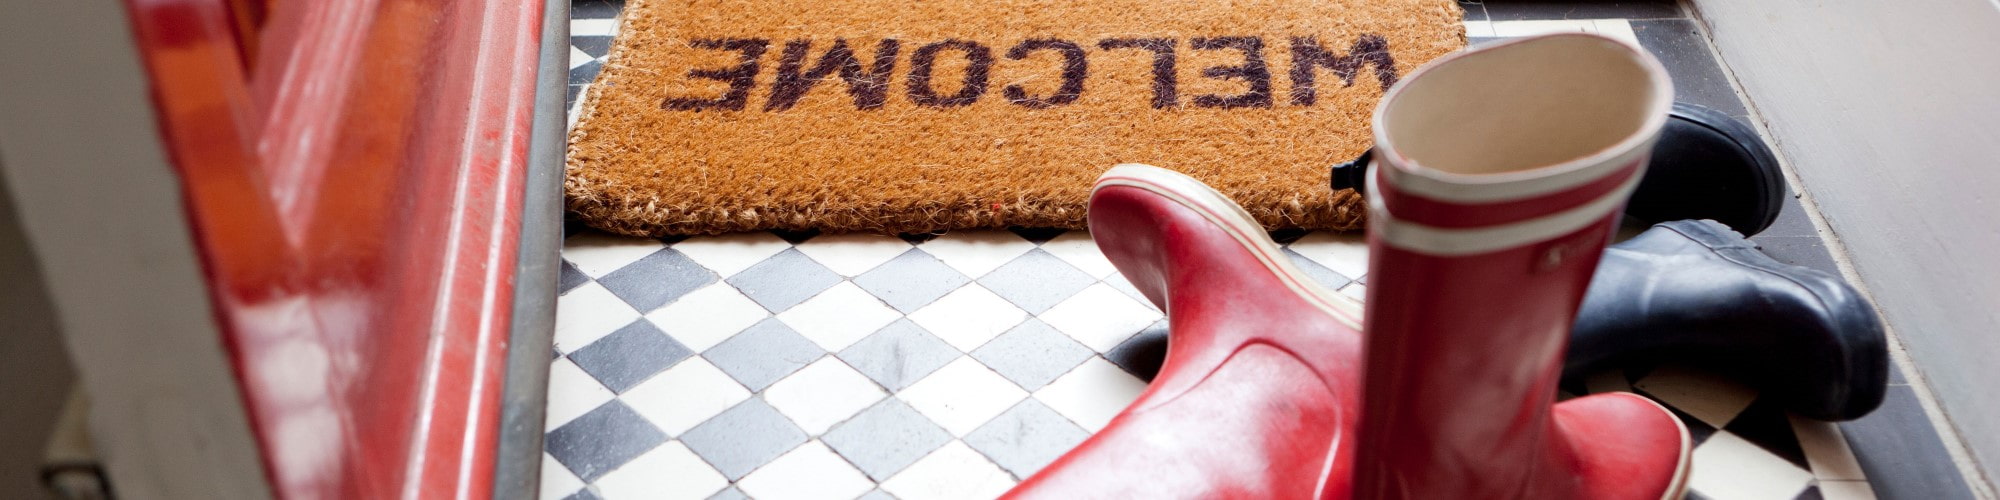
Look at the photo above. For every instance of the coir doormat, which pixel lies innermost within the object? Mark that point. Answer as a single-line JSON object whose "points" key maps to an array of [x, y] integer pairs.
{"points": [[909, 116]]}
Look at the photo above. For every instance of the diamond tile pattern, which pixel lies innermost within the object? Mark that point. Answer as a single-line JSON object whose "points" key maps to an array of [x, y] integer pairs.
{"points": [[898, 355], [763, 354], [743, 438], [885, 438], [685, 396], [1026, 438], [809, 472], [942, 385], [968, 317], [1036, 281], [602, 440], [953, 472], [961, 362], [1032, 354], [911, 280], [784, 280], [839, 317], [822, 394], [629, 355], [657, 279]]}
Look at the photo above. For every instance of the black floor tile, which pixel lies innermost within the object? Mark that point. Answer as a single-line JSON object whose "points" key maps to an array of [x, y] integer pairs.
{"points": [[630, 355], [602, 440], [919, 238], [1287, 236], [1792, 221], [575, 91], [1698, 78], [595, 9], [1038, 235], [1806, 251], [1698, 431], [585, 73], [1900, 452], [657, 280], [1521, 10], [1474, 10], [570, 278], [795, 237], [1142, 354], [1764, 424], [596, 46]]}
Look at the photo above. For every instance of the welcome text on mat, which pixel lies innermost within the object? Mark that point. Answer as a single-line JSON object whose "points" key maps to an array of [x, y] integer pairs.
{"points": [[869, 84]]}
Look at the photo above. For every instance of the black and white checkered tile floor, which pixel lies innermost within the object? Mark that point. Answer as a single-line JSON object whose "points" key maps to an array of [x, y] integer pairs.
{"points": [[780, 365]]}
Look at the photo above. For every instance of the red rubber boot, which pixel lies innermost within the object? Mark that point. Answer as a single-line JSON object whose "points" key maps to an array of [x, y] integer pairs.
{"points": [[1500, 176], [1262, 372]]}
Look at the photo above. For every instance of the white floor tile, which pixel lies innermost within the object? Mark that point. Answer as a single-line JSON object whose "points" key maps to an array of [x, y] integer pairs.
{"points": [[669, 472], [597, 253], [572, 393], [810, 472], [1479, 29], [1356, 291], [557, 481], [578, 58], [1542, 27], [706, 317], [732, 253], [823, 393], [1100, 317], [1826, 450], [1076, 248], [976, 253], [593, 27], [1731, 468], [962, 395], [1712, 398], [839, 316], [954, 472], [588, 313], [1617, 28], [685, 396], [968, 317], [854, 253], [1846, 490], [582, 96], [1343, 252], [1092, 393]]}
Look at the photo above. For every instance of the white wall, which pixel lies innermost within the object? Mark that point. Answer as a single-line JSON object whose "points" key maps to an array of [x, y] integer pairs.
{"points": [[1889, 114]]}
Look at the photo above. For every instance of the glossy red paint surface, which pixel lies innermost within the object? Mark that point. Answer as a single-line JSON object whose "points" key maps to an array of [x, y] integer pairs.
{"points": [[355, 199]]}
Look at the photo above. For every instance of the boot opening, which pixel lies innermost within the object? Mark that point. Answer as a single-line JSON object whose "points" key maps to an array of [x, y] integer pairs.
{"points": [[1524, 105]]}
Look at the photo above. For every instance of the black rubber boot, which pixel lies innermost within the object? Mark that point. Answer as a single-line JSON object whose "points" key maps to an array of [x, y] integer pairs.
{"points": [[1696, 292], [1706, 165]]}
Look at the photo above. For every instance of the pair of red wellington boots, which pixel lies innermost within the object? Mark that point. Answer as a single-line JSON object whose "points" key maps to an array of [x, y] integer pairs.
{"points": [[1499, 178]]}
